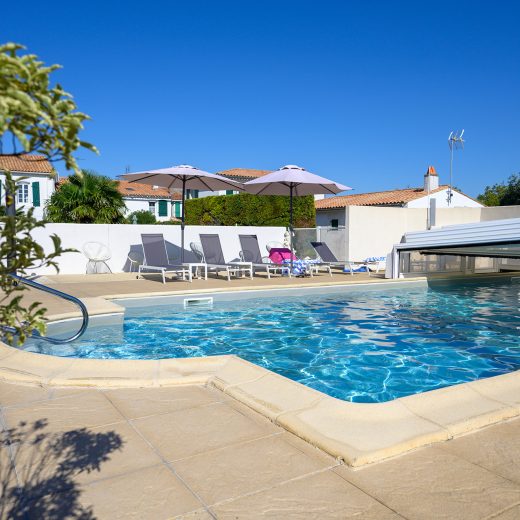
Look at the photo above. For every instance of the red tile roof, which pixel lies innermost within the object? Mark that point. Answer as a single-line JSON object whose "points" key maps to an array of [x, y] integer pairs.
{"points": [[25, 163], [377, 198], [137, 190], [243, 172]]}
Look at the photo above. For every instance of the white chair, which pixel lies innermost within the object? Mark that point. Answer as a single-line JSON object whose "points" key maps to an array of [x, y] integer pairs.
{"points": [[136, 259], [196, 248], [97, 254], [270, 245]]}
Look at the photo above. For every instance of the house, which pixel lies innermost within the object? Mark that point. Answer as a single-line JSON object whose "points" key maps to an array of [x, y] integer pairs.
{"points": [[158, 201], [143, 197], [331, 211], [35, 176]]}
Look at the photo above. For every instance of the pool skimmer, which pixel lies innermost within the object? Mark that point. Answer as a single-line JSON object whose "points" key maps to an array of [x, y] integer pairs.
{"points": [[198, 302]]}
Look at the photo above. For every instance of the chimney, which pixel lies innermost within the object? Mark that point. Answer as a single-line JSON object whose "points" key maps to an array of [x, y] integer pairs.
{"points": [[431, 179]]}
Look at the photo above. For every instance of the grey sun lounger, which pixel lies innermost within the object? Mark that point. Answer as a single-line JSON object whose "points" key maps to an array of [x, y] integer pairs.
{"points": [[250, 252], [214, 258], [326, 255], [156, 258]]}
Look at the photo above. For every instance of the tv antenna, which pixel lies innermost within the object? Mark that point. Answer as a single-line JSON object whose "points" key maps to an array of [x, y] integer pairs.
{"points": [[455, 142]]}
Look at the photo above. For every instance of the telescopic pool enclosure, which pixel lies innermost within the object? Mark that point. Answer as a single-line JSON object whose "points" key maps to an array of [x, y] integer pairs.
{"points": [[492, 246]]}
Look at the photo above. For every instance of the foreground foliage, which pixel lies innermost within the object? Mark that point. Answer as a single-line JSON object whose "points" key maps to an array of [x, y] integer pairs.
{"points": [[15, 235], [40, 118]]}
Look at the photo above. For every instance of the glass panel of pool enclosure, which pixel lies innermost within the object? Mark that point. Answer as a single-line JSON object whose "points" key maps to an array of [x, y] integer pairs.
{"points": [[492, 246]]}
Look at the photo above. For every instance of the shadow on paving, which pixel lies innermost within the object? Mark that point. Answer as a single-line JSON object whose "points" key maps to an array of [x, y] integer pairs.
{"points": [[43, 486]]}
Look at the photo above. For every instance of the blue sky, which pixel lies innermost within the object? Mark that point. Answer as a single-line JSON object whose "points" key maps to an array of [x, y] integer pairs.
{"points": [[364, 93]]}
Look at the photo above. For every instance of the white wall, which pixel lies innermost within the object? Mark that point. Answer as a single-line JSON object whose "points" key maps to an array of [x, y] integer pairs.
{"points": [[369, 232], [122, 238], [499, 213], [46, 183], [458, 200], [373, 231]]}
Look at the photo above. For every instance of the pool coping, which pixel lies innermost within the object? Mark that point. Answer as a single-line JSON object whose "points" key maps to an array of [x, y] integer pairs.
{"points": [[357, 433]]}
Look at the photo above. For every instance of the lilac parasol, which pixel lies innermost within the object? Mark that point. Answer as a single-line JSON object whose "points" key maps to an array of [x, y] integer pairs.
{"points": [[182, 177], [293, 181]]}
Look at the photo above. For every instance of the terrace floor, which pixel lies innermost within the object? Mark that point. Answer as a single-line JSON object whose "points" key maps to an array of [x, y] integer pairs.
{"points": [[191, 452]]}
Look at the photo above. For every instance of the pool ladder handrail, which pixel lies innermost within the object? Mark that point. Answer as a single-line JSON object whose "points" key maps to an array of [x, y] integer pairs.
{"points": [[59, 294]]}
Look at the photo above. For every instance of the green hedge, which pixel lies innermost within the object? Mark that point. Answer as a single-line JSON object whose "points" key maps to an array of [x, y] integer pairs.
{"points": [[250, 210]]}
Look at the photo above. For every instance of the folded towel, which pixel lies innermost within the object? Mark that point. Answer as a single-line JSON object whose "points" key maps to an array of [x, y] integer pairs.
{"points": [[278, 255], [299, 267], [360, 269]]}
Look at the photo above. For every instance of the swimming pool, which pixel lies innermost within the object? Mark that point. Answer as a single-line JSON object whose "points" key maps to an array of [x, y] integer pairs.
{"points": [[368, 346]]}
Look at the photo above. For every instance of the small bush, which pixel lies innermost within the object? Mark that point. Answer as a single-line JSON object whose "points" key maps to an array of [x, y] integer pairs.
{"points": [[141, 217]]}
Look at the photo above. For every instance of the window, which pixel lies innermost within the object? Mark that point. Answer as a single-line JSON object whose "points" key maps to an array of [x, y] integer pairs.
{"points": [[334, 223], [229, 192], [151, 207], [163, 208], [23, 193]]}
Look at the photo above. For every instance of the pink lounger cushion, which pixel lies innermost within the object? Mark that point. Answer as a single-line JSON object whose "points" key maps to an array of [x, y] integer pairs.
{"points": [[277, 255]]}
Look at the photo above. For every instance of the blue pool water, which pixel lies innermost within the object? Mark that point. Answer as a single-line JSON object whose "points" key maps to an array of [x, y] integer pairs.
{"points": [[364, 347]]}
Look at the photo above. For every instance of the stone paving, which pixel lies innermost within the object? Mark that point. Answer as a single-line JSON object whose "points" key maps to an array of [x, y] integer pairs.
{"points": [[192, 452]]}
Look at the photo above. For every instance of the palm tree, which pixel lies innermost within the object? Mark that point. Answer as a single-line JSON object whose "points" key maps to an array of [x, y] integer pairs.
{"points": [[87, 199]]}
